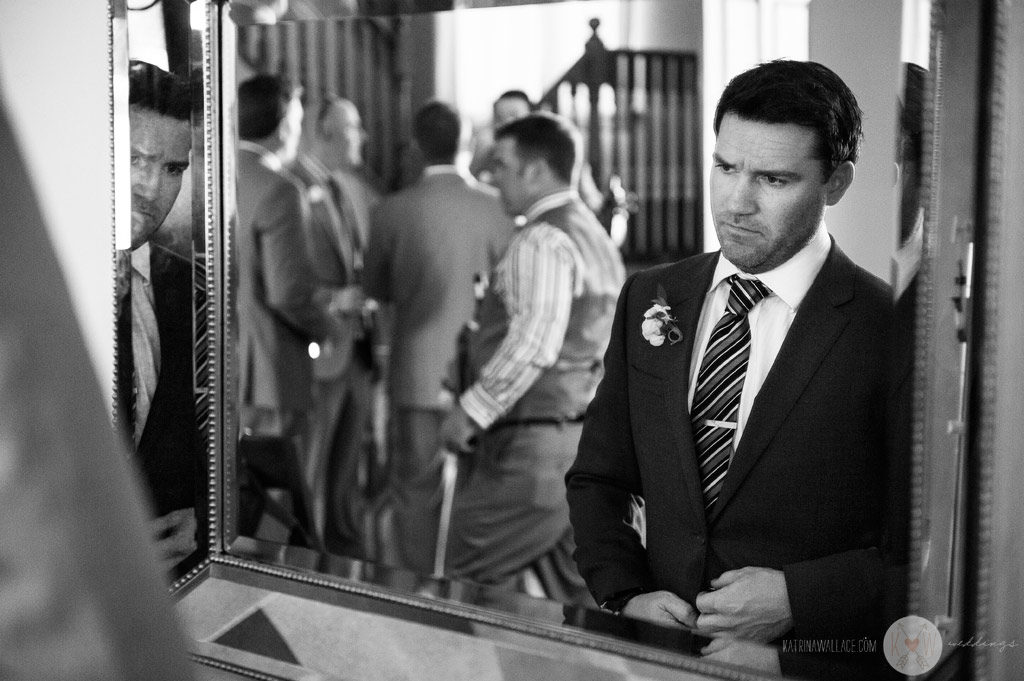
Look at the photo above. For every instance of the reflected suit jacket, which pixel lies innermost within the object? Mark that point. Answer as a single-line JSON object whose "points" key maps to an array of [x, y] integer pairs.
{"points": [[804, 490], [427, 242], [329, 245], [170, 451], [277, 313]]}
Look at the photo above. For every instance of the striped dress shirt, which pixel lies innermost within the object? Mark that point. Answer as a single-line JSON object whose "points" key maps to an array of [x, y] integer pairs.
{"points": [[538, 278]]}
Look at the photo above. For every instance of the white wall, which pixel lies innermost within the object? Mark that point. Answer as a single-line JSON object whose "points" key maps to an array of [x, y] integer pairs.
{"points": [[53, 73], [860, 41]]}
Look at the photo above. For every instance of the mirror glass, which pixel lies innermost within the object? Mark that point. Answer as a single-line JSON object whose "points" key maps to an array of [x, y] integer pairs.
{"points": [[357, 81], [160, 284]]}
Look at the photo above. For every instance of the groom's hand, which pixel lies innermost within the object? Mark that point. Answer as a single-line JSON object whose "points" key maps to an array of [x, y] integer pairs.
{"points": [[750, 603]]}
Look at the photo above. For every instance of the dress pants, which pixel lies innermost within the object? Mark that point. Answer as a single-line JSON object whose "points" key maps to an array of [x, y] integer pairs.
{"points": [[415, 486], [339, 425], [510, 511]]}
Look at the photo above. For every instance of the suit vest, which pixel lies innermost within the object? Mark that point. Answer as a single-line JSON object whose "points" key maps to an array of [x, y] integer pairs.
{"points": [[563, 390]]}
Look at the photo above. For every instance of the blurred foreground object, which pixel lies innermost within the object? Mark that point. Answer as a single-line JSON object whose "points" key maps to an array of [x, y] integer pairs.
{"points": [[81, 592]]}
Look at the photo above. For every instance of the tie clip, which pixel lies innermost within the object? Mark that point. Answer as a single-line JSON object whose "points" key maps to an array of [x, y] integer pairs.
{"points": [[719, 424]]}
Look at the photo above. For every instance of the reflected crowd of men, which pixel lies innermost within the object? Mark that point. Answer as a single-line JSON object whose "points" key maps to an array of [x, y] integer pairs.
{"points": [[413, 367]]}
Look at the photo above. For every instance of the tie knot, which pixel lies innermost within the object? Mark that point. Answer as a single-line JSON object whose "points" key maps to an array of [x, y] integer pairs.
{"points": [[745, 293]]}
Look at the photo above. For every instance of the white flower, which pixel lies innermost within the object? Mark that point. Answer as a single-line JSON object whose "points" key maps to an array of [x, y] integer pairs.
{"points": [[657, 310], [659, 324], [651, 328]]}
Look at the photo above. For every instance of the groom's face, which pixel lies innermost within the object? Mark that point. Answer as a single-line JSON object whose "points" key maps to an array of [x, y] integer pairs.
{"points": [[159, 157], [768, 191]]}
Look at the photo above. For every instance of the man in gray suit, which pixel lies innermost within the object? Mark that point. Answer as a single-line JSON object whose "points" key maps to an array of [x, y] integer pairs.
{"points": [[279, 313], [343, 383], [427, 242]]}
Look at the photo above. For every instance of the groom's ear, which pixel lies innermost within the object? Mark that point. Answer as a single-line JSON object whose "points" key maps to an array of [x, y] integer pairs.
{"points": [[839, 182]]}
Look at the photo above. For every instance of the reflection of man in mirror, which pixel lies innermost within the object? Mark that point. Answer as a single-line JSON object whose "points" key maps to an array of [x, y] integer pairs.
{"points": [[340, 130], [428, 242], [342, 387], [154, 363], [906, 262], [534, 363], [747, 406], [509, 106], [279, 311], [909, 159]]}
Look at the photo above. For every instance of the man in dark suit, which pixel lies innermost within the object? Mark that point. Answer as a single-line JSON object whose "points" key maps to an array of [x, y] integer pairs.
{"points": [[154, 362], [744, 399]]}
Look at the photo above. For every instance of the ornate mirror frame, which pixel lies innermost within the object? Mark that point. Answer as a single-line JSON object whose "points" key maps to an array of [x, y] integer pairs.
{"points": [[962, 121]]}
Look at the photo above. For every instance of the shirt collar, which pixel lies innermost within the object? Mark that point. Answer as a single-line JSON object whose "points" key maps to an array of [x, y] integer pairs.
{"points": [[791, 280], [553, 200], [140, 260], [441, 169]]}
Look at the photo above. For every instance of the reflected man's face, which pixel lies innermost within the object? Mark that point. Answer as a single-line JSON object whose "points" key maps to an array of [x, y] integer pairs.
{"points": [[160, 156], [509, 109], [343, 128], [509, 176]]}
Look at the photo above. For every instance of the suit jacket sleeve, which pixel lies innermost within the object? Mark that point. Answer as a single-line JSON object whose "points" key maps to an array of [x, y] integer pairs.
{"points": [[288, 276], [604, 481], [379, 253]]}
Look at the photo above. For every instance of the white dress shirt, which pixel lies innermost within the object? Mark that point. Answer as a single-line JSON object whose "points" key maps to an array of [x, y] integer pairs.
{"points": [[769, 320]]}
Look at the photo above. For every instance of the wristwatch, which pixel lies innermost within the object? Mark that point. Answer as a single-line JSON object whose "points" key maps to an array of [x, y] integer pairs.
{"points": [[618, 601]]}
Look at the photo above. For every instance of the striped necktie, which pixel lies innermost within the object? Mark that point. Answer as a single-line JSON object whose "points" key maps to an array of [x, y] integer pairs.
{"points": [[145, 348], [716, 399]]}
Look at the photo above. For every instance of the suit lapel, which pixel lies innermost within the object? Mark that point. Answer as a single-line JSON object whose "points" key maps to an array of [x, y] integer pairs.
{"points": [[685, 294], [814, 331]]}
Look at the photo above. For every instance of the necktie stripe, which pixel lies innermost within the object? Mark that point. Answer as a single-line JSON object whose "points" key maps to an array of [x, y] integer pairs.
{"points": [[724, 368], [716, 474], [719, 406], [715, 447], [720, 384], [726, 377], [730, 351]]}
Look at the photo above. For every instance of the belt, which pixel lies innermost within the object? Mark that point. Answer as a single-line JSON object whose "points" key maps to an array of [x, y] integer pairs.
{"points": [[537, 421]]}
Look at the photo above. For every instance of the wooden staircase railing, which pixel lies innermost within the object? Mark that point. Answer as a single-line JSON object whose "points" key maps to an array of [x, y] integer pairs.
{"points": [[639, 111]]}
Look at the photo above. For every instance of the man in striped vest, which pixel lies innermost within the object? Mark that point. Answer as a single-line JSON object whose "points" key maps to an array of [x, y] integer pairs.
{"points": [[534, 363]]}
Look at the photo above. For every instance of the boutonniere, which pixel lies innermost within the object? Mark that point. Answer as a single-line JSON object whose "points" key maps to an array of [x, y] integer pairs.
{"points": [[658, 324]]}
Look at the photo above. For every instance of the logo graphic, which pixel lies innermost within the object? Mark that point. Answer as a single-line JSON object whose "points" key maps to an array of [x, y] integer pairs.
{"points": [[912, 645]]}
